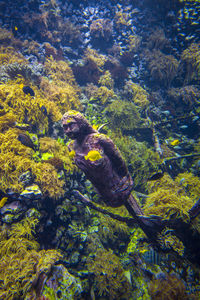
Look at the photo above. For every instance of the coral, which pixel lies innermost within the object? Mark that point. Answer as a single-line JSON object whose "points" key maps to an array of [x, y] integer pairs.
{"points": [[169, 287], [163, 68], [21, 264], [61, 284], [191, 59], [109, 275]]}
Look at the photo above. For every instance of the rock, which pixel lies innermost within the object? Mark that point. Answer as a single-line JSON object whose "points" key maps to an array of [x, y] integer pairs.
{"points": [[31, 192]]}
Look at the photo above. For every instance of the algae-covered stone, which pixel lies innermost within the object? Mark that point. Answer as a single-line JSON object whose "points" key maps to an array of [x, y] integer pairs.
{"points": [[62, 283], [31, 192]]}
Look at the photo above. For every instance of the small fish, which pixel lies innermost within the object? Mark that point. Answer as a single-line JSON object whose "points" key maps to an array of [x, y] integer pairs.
{"points": [[16, 28], [26, 140], [175, 142], [28, 90], [183, 127], [43, 110], [156, 176], [93, 155]]}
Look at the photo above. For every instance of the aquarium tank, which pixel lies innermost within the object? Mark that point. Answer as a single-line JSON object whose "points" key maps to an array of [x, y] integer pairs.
{"points": [[99, 149]]}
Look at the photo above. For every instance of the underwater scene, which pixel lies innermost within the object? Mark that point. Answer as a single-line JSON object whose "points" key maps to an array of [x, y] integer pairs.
{"points": [[99, 149]]}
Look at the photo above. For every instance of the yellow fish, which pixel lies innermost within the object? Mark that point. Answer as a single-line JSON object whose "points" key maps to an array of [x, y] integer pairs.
{"points": [[175, 142], [3, 201], [93, 155]]}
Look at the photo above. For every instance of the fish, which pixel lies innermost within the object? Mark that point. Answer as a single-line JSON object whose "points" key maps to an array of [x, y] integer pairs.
{"points": [[43, 110], [175, 142], [26, 140], [93, 155], [28, 90], [156, 176]]}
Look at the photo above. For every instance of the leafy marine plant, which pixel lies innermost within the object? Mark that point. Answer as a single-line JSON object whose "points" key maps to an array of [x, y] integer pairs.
{"points": [[15, 159], [141, 160], [21, 262], [62, 88], [190, 57], [190, 183], [58, 151], [110, 280], [168, 200], [137, 94], [122, 115], [163, 68], [168, 286]]}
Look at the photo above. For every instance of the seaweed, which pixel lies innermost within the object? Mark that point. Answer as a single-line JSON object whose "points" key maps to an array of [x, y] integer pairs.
{"points": [[190, 57], [21, 264], [109, 275]]}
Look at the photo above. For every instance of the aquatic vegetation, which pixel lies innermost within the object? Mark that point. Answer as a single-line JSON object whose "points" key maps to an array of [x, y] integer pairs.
{"points": [[101, 29], [142, 161], [158, 40], [168, 240], [21, 262], [134, 42], [63, 91], [9, 55], [122, 18], [139, 95], [167, 287], [187, 95], [111, 231], [47, 178], [59, 152], [190, 184], [122, 115], [110, 280], [163, 68], [103, 95], [93, 56], [15, 159], [7, 119], [191, 59], [14, 100], [168, 204], [106, 80]]}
